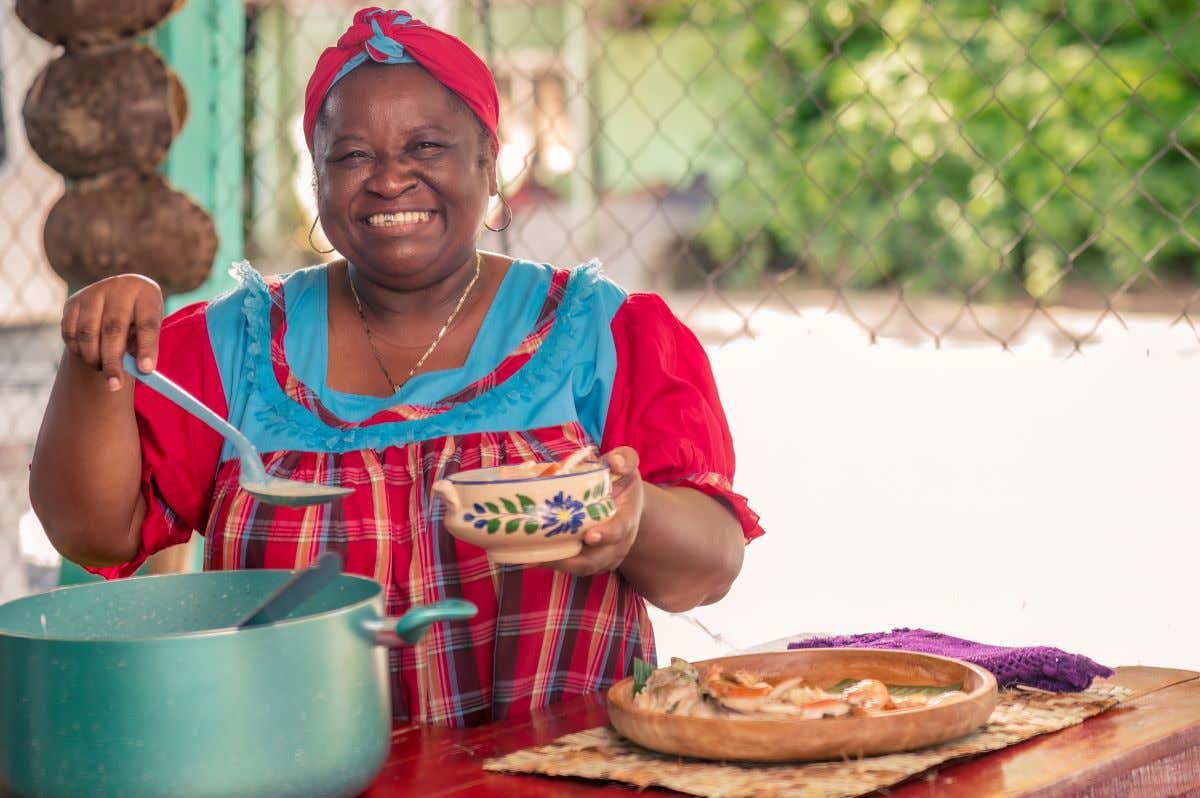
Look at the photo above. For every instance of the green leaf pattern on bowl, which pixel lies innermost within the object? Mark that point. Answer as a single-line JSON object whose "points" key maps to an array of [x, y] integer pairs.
{"points": [[561, 514]]}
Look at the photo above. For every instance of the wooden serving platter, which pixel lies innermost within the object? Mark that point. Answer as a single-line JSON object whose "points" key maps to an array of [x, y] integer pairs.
{"points": [[790, 740]]}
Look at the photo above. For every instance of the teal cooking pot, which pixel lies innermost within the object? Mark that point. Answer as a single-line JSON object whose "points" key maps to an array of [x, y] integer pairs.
{"points": [[142, 687]]}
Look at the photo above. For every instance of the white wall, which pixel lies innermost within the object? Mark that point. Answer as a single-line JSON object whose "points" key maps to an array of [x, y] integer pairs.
{"points": [[1012, 498]]}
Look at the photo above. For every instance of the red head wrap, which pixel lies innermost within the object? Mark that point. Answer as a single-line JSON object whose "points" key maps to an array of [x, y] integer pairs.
{"points": [[395, 37]]}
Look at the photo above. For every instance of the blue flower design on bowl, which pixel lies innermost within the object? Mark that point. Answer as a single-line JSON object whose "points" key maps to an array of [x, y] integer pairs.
{"points": [[562, 514]]}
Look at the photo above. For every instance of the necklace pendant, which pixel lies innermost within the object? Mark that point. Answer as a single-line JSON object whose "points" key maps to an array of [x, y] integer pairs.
{"points": [[437, 338]]}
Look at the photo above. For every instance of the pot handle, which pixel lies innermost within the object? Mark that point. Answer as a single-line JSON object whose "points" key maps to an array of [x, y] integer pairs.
{"points": [[411, 626], [444, 489]]}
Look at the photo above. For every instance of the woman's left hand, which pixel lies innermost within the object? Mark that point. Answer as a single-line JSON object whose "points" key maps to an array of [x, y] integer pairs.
{"points": [[605, 545]]}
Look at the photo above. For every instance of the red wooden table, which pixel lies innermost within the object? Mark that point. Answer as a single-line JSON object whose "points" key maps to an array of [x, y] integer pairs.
{"points": [[1148, 746]]}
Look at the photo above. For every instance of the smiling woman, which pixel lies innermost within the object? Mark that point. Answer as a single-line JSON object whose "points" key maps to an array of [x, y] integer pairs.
{"points": [[411, 358], [403, 179]]}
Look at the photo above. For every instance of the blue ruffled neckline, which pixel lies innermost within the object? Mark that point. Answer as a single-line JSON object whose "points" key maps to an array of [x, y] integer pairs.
{"points": [[548, 364]]}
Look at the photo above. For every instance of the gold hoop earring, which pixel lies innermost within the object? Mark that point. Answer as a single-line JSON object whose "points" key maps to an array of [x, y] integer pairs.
{"points": [[311, 230], [507, 215]]}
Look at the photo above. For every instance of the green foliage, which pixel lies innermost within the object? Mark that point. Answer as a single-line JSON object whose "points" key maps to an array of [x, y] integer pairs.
{"points": [[641, 672], [958, 146]]}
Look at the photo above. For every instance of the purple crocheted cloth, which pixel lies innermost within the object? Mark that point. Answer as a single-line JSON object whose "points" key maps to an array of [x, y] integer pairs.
{"points": [[1042, 667]]}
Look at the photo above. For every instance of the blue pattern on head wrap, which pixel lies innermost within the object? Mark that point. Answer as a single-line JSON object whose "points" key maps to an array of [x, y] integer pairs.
{"points": [[391, 50]]}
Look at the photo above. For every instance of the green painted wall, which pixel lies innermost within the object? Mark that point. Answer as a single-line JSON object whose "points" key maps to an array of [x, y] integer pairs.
{"points": [[204, 43]]}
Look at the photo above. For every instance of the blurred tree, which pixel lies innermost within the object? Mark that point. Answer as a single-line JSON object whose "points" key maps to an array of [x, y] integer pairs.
{"points": [[958, 146]]}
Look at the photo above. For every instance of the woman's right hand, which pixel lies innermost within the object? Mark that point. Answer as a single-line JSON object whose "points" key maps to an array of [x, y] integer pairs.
{"points": [[111, 317]]}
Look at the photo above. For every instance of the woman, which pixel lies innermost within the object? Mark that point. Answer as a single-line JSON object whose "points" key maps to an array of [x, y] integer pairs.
{"points": [[413, 357]]}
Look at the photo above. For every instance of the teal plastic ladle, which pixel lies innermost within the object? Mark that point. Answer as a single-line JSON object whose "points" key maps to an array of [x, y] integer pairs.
{"points": [[253, 477]]}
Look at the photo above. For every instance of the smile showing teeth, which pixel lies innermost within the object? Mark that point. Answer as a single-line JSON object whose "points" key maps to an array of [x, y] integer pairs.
{"points": [[392, 219]]}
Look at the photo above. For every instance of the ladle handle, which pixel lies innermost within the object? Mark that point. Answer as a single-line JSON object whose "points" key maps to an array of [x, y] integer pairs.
{"points": [[251, 462], [292, 593]]}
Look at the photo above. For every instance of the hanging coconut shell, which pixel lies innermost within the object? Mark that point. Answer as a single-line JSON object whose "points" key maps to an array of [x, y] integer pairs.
{"points": [[93, 112], [130, 221], [87, 23]]}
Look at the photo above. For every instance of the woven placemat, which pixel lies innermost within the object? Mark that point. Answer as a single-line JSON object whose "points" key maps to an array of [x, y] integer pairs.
{"points": [[601, 753]]}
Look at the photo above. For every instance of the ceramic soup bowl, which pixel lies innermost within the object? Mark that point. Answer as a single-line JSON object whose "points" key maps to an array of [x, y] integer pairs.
{"points": [[520, 517]]}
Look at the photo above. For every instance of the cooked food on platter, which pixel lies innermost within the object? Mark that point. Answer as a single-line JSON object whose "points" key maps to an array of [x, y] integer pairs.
{"points": [[802, 705], [681, 689]]}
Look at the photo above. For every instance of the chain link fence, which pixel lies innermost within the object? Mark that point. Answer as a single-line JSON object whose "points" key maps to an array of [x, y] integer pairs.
{"points": [[929, 171]]}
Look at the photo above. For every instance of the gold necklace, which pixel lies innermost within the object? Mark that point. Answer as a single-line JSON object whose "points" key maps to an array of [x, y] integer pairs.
{"points": [[437, 339]]}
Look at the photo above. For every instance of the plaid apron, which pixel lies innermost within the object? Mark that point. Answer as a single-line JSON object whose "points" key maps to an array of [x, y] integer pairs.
{"points": [[539, 636]]}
